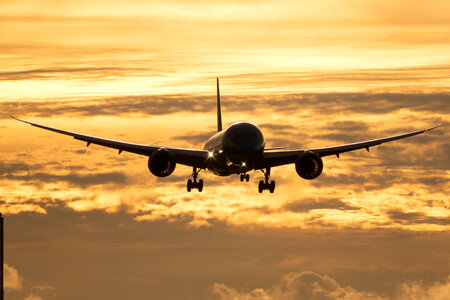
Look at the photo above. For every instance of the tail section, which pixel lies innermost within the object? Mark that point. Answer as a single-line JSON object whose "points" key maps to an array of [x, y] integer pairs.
{"points": [[219, 111]]}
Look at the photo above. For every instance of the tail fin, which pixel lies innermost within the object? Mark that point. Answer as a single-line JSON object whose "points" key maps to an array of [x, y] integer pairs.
{"points": [[219, 111]]}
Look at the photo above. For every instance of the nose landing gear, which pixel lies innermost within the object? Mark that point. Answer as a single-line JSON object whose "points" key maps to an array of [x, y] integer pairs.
{"points": [[265, 185], [245, 177], [193, 184]]}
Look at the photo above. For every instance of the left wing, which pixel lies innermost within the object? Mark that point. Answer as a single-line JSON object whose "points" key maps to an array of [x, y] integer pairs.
{"points": [[278, 158], [188, 157]]}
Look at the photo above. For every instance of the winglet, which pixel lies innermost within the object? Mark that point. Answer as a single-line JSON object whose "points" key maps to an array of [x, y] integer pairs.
{"points": [[219, 111], [438, 125]]}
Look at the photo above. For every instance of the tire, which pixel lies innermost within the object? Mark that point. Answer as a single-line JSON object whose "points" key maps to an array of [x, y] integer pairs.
{"points": [[247, 177], [272, 187], [200, 185], [260, 186], [189, 185]]}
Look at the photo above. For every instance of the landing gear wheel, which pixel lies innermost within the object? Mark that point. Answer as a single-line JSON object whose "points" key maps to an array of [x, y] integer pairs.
{"points": [[272, 187], [189, 185], [193, 184], [200, 185], [245, 177], [265, 185]]}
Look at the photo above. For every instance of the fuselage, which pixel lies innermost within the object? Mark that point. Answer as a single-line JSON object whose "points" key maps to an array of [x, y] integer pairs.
{"points": [[235, 150]]}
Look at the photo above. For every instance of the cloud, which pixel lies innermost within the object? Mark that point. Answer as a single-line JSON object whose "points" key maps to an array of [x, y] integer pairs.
{"points": [[14, 168], [278, 128], [10, 171], [195, 138], [64, 73], [42, 292], [13, 281], [33, 297], [14, 208], [305, 285], [114, 105], [323, 103], [410, 218], [313, 286], [419, 290], [308, 204]]}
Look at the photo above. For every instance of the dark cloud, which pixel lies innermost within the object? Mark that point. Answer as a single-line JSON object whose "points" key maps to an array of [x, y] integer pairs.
{"points": [[308, 204], [412, 218], [301, 141], [81, 151], [38, 173], [375, 103], [73, 179], [350, 179], [12, 168], [379, 171], [285, 136], [346, 131], [264, 209], [323, 104], [347, 125], [415, 74], [278, 128], [73, 72], [194, 138], [145, 105], [433, 155]]}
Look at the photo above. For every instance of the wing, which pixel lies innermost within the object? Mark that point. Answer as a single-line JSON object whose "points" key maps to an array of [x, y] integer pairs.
{"points": [[188, 157], [278, 158]]}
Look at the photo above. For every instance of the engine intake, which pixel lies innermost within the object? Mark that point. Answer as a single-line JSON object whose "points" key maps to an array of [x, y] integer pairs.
{"points": [[309, 165], [161, 163]]}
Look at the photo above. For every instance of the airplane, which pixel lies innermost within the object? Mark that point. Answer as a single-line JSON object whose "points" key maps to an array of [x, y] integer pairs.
{"points": [[238, 149]]}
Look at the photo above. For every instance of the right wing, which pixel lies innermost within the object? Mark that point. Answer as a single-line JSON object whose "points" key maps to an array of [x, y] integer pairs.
{"points": [[188, 157], [278, 158]]}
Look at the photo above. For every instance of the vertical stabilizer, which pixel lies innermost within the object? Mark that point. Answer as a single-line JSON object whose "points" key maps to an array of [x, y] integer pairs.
{"points": [[219, 111]]}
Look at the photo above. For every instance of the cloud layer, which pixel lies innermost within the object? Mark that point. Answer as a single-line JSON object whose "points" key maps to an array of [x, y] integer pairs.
{"points": [[313, 286]]}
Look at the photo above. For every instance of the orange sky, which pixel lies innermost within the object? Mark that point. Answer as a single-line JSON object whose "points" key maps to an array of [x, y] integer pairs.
{"points": [[308, 73]]}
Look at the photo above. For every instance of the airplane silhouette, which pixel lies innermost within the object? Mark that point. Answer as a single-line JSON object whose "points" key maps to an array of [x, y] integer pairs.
{"points": [[238, 149]]}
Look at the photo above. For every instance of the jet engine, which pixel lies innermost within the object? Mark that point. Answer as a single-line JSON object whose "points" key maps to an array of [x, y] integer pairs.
{"points": [[161, 163], [309, 165]]}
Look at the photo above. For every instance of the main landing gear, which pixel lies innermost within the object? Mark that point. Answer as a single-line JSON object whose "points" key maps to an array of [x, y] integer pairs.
{"points": [[245, 177], [193, 184], [265, 185]]}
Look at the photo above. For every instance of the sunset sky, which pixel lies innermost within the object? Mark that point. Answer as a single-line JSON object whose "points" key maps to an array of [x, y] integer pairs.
{"points": [[85, 223]]}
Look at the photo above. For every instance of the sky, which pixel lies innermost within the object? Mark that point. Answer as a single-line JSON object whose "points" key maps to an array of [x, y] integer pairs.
{"points": [[86, 223]]}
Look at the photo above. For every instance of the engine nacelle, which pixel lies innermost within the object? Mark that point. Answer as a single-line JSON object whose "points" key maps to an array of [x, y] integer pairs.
{"points": [[161, 163], [309, 165]]}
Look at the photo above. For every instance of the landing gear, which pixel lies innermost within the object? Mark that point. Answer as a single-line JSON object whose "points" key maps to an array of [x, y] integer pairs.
{"points": [[193, 184], [265, 185], [245, 177]]}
